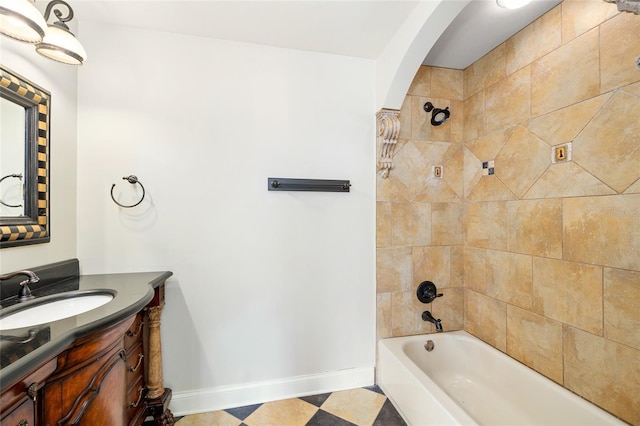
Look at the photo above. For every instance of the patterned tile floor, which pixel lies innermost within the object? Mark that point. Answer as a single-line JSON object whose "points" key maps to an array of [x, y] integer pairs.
{"points": [[362, 407]]}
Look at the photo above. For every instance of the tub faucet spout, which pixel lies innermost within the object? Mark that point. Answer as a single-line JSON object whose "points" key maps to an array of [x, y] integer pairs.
{"points": [[426, 316], [25, 292]]}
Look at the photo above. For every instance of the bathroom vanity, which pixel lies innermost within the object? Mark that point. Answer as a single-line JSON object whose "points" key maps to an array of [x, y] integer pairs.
{"points": [[100, 367]]}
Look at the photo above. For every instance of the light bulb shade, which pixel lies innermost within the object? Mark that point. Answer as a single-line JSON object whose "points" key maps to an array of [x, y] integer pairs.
{"points": [[62, 46], [512, 4], [21, 20]]}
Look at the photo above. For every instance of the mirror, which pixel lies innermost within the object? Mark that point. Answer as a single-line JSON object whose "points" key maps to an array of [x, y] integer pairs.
{"points": [[24, 161]]}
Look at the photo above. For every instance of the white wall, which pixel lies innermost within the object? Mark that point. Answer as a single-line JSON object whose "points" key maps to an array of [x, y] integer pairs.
{"points": [[273, 292], [61, 81]]}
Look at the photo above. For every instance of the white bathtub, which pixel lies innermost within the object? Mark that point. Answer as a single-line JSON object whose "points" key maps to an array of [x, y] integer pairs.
{"points": [[465, 381]]}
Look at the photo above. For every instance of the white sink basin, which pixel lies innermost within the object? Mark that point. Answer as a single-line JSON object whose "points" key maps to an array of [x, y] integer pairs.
{"points": [[53, 308]]}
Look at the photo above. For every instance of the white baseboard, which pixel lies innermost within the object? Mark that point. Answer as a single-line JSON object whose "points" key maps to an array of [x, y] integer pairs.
{"points": [[223, 397]]}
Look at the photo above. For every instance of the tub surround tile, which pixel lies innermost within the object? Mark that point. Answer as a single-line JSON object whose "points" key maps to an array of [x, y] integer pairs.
{"points": [[568, 292], [534, 41], [394, 269], [608, 146], [486, 71], [456, 120], [559, 80], [508, 102], [475, 269], [457, 266], [453, 163], [406, 314], [580, 16], [486, 225], [535, 341], [383, 224], [619, 45], [446, 83], [490, 188], [474, 116], [567, 180], [436, 190], [522, 160], [602, 230], [565, 124], [634, 189], [487, 147], [447, 188], [414, 177], [383, 315], [421, 84], [509, 278], [409, 174], [535, 227], [386, 189], [446, 224], [472, 173], [622, 306], [602, 371], [487, 319], [432, 264], [411, 224], [449, 308], [633, 89]]}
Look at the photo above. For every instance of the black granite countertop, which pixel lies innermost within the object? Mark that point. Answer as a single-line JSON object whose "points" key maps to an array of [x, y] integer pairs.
{"points": [[132, 292]]}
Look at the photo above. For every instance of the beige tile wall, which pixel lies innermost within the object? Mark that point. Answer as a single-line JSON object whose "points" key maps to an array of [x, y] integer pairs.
{"points": [[540, 260]]}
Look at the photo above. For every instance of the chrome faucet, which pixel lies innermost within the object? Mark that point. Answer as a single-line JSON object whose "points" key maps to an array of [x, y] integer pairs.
{"points": [[426, 316], [25, 292]]}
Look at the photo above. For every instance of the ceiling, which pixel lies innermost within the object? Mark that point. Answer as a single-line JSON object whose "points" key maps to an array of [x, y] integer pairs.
{"points": [[479, 28], [359, 28]]}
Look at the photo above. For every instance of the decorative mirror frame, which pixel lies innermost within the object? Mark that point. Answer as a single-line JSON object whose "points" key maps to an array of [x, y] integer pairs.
{"points": [[33, 227]]}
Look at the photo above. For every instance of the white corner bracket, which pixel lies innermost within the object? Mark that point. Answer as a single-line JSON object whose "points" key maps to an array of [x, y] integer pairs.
{"points": [[388, 127], [632, 6]]}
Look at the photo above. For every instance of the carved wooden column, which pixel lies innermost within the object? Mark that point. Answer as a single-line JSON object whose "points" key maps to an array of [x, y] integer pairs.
{"points": [[388, 127], [154, 375], [158, 397]]}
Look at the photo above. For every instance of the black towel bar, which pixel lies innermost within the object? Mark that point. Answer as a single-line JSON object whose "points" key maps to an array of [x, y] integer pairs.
{"points": [[317, 185]]}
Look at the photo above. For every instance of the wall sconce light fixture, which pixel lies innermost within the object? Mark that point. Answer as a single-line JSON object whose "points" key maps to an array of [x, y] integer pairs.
{"points": [[512, 4], [21, 20]]}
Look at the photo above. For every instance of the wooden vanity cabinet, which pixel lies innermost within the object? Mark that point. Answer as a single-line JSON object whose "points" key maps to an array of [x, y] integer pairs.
{"points": [[18, 403], [101, 379], [88, 385]]}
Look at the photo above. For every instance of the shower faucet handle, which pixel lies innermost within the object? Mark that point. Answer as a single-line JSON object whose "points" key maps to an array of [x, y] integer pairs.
{"points": [[427, 292]]}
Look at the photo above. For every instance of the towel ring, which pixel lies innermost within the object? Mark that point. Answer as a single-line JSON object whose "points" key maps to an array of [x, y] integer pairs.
{"points": [[132, 180], [15, 175]]}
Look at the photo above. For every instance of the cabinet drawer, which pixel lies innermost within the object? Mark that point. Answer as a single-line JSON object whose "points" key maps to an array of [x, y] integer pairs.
{"points": [[134, 333], [135, 364], [135, 398], [22, 415]]}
